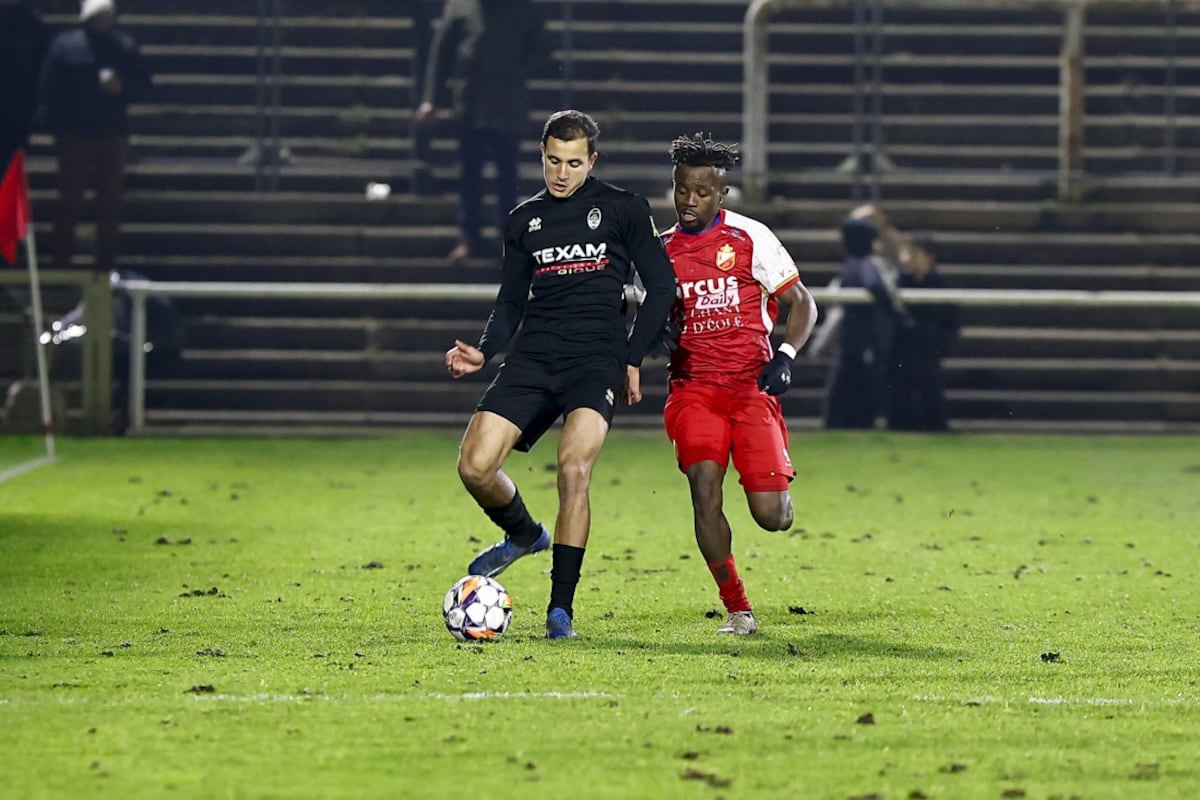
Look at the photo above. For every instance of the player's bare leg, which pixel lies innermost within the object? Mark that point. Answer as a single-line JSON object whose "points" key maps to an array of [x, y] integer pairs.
{"points": [[773, 511], [713, 535], [582, 437], [485, 445], [488, 440], [715, 540]]}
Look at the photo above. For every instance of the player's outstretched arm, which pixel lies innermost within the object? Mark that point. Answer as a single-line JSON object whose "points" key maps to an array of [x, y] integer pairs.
{"points": [[463, 359]]}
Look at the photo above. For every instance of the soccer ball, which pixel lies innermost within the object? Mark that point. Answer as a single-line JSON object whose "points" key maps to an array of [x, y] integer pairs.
{"points": [[477, 609]]}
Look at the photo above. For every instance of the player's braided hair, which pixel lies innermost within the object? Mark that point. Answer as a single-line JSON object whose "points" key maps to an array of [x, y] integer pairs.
{"points": [[699, 150]]}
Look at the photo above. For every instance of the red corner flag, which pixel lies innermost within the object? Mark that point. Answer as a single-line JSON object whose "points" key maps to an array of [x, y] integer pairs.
{"points": [[15, 211]]}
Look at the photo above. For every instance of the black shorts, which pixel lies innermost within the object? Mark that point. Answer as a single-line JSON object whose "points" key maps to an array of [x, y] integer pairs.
{"points": [[532, 396]]}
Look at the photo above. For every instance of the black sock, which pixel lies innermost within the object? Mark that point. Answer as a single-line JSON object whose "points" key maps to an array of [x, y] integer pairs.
{"points": [[515, 521], [564, 577]]}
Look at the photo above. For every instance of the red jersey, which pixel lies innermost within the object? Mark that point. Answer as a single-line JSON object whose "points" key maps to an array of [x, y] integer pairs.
{"points": [[726, 282]]}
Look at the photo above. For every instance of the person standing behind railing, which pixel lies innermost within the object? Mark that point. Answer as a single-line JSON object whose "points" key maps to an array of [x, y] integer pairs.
{"points": [[914, 379], [23, 42], [486, 50], [91, 75], [855, 395]]}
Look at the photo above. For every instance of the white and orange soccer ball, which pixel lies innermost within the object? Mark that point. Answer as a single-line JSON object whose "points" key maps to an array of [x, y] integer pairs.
{"points": [[477, 609]]}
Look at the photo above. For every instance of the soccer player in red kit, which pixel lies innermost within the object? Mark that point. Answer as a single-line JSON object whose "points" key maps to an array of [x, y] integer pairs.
{"points": [[731, 272]]}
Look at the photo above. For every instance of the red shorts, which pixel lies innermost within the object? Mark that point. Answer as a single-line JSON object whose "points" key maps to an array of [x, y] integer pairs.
{"points": [[709, 423]]}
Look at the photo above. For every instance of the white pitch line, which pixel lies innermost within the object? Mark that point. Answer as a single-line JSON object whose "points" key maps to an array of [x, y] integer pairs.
{"points": [[394, 698], [266, 698], [28, 466], [1062, 701]]}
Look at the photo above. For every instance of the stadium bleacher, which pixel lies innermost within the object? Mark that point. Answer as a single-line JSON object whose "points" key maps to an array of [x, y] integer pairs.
{"points": [[970, 121]]}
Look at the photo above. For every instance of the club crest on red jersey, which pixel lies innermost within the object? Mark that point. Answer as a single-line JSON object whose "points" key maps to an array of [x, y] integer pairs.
{"points": [[726, 258]]}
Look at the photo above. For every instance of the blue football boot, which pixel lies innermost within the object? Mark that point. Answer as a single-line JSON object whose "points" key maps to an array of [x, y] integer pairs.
{"points": [[502, 554], [558, 625]]}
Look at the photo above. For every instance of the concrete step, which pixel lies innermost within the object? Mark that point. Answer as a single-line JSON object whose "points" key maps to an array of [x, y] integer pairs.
{"points": [[1051, 408], [215, 62], [307, 91], [1075, 374], [431, 330], [1043, 277], [1077, 343], [1128, 319], [163, 35], [304, 208], [334, 269], [820, 245]]}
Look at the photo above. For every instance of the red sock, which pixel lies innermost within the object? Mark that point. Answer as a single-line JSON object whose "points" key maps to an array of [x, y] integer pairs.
{"points": [[729, 585]]}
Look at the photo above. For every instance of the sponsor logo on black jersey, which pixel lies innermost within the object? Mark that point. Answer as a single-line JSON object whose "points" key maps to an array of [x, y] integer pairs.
{"points": [[571, 259], [535, 224]]}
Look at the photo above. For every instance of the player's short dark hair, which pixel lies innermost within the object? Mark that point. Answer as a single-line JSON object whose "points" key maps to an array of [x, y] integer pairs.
{"points": [[569, 125], [699, 150]]}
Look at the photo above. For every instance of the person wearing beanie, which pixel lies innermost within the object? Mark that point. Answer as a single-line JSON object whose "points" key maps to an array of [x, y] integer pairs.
{"points": [[855, 392], [23, 42], [90, 76], [91, 8]]}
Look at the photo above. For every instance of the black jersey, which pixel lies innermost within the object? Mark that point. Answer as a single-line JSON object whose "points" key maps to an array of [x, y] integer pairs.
{"points": [[566, 264]]}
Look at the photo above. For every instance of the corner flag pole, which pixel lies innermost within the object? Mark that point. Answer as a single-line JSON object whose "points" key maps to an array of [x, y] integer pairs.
{"points": [[16, 222], [35, 296]]}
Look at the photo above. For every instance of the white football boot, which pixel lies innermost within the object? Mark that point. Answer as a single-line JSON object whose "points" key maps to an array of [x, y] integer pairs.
{"points": [[739, 623]]}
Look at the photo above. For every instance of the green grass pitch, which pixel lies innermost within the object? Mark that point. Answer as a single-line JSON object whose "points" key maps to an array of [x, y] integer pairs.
{"points": [[963, 616]]}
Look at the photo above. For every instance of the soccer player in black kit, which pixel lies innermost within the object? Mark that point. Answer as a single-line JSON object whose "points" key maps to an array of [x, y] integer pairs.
{"points": [[569, 251]]}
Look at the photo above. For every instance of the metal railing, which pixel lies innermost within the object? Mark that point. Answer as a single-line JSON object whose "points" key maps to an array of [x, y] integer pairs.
{"points": [[140, 290]]}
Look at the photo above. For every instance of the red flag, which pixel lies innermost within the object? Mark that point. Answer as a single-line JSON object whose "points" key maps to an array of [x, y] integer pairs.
{"points": [[15, 210]]}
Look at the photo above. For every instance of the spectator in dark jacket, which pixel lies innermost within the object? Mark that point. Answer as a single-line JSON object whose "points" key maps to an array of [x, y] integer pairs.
{"points": [[23, 42], [916, 401], [91, 75], [486, 50], [854, 390]]}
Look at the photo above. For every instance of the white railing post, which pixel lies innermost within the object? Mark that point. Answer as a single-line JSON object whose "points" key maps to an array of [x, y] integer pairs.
{"points": [[754, 100], [137, 360], [1070, 103]]}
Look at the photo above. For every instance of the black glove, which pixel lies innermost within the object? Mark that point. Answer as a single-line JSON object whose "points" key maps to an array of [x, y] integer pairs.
{"points": [[776, 376], [666, 341]]}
